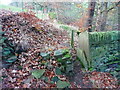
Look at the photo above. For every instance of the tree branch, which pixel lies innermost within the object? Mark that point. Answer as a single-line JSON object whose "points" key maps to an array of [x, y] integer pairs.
{"points": [[116, 4]]}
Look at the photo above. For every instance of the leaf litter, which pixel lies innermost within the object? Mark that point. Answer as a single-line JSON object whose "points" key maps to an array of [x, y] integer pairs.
{"points": [[31, 36]]}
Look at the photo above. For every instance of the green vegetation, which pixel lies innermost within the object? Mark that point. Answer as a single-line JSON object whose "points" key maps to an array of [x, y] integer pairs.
{"points": [[18, 9], [12, 8], [52, 15]]}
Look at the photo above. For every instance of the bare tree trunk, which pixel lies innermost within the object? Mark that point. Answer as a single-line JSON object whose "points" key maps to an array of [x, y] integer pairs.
{"points": [[104, 17], [56, 10], [36, 10], [90, 15], [98, 17], [22, 5]]}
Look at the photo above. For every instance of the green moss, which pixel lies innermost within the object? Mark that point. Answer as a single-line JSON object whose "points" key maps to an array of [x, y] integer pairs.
{"points": [[103, 37]]}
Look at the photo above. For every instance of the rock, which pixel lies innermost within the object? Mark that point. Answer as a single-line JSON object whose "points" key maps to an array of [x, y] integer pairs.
{"points": [[50, 67], [58, 71], [6, 53], [55, 79], [59, 53], [8, 56], [22, 47], [11, 59], [1, 33], [69, 68], [45, 55], [6, 65]]}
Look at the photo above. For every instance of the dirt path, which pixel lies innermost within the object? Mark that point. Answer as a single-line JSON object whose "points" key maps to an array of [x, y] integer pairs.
{"points": [[78, 77]]}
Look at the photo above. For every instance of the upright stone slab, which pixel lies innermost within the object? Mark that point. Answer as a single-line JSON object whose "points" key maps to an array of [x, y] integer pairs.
{"points": [[83, 49], [101, 50]]}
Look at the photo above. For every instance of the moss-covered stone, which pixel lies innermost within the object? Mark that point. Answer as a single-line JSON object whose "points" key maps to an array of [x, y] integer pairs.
{"points": [[103, 37], [104, 51], [7, 52]]}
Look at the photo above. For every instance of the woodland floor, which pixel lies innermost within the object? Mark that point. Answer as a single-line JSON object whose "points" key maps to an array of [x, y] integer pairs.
{"points": [[40, 36]]}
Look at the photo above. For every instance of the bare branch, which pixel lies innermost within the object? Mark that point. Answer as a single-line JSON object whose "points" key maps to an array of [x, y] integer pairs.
{"points": [[116, 4]]}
